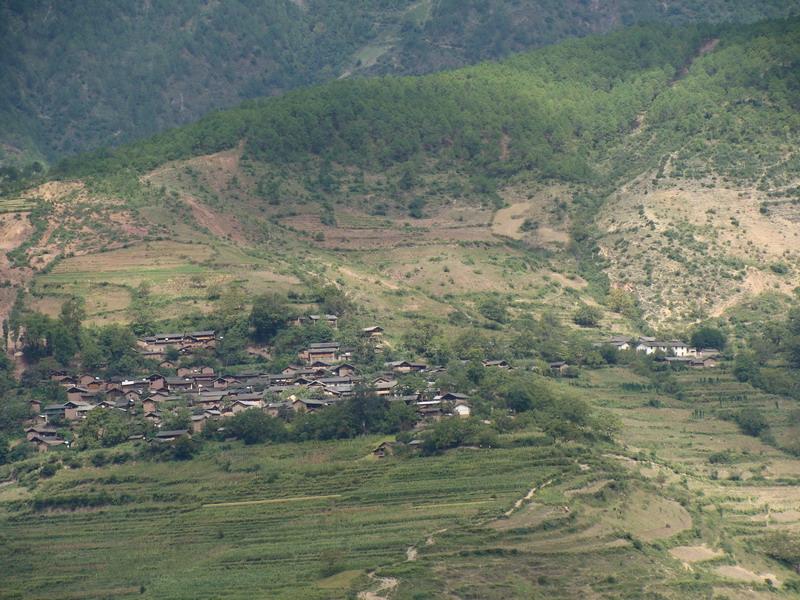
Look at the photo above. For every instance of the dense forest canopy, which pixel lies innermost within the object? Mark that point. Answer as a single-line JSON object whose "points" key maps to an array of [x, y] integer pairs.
{"points": [[78, 76], [567, 111]]}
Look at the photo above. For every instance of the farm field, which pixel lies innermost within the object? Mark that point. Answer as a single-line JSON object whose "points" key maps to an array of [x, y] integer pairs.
{"points": [[324, 520], [178, 274], [276, 520]]}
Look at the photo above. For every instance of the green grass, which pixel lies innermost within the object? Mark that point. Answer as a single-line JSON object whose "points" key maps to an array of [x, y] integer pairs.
{"points": [[301, 503], [8, 204]]}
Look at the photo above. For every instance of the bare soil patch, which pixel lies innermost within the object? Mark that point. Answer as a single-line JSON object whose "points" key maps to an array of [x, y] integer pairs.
{"points": [[741, 574], [694, 554]]}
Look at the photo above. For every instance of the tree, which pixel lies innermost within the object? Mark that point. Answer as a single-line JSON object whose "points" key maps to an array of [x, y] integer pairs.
{"points": [[73, 313], [708, 337], [494, 309], [366, 409], [334, 301], [587, 316], [752, 421], [36, 330], [451, 433], [5, 450], [268, 315], [102, 428], [172, 354], [745, 366], [784, 547], [255, 427]]}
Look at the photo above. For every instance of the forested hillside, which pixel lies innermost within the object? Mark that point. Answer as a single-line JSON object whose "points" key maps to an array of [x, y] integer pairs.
{"points": [[77, 76], [710, 100], [528, 328]]}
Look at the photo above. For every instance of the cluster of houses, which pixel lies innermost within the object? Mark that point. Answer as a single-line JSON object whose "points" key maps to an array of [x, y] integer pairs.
{"points": [[671, 351], [155, 346], [324, 378]]}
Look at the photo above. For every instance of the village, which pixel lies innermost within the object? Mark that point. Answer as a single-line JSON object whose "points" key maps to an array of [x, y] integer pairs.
{"points": [[324, 375]]}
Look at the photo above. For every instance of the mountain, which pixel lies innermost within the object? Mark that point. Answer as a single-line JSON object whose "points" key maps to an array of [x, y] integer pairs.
{"points": [[515, 213], [651, 170], [81, 76]]}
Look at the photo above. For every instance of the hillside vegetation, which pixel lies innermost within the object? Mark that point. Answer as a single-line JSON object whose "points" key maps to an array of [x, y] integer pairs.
{"points": [[498, 223], [81, 76]]}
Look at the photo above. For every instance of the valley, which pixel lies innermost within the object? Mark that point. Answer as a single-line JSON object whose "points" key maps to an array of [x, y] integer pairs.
{"points": [[521, 329]]}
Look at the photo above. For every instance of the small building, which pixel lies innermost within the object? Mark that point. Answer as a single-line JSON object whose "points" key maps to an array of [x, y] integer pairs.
{"points": [[343, 370], [324, 351], [179, 384], [559, 367], [499, 364], [384, 388], [375, 331], [171, 436], [78, 394], [198, 423], [153, 417], [243, 405], [404, 366], [149, 405], [157, 382], [223, 383], [708, 362], [462, 410], [329, 320], [45, 444], [189, 372], [384, 449], [44, 431], [451, 397], [76, 410], [307, 404]]}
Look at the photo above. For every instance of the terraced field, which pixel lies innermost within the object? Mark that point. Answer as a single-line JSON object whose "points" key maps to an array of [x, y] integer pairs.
{"points": [[12, 205], [274, 519], [651, 517]]}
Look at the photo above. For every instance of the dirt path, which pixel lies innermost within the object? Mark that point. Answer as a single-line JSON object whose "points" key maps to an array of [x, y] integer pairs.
{"points": [[518, 504], [386, 585], [271, 501]]}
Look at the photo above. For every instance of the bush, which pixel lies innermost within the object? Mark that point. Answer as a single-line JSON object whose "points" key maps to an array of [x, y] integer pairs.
{"points": [[454, 432], [587, 316], [708, 337], [255, 427], [48, 470], [99, 459], [752, 421]]}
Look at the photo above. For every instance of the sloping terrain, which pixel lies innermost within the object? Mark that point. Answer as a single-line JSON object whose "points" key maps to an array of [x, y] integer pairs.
{"points": [[624, 162], [79, 77]]}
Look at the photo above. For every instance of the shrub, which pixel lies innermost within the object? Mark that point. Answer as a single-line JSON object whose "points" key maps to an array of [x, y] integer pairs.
{"points": [[708, 337], [752, 421], [587, 316]]}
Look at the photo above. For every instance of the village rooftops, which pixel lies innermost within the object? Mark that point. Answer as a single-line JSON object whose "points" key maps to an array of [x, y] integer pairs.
{"points": [[323, 317], [172, 434], [451, 397], [43, 430], [405, 363], [178, 381], [324, 345], [166, 338]]}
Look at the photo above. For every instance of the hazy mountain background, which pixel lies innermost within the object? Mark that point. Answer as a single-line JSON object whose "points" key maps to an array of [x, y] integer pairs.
{"points": [[78, 76]]}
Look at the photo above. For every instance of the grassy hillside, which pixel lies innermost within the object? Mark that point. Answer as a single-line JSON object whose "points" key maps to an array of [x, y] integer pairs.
{"points": [[684, 506], [621, 160], [80, 77]]}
